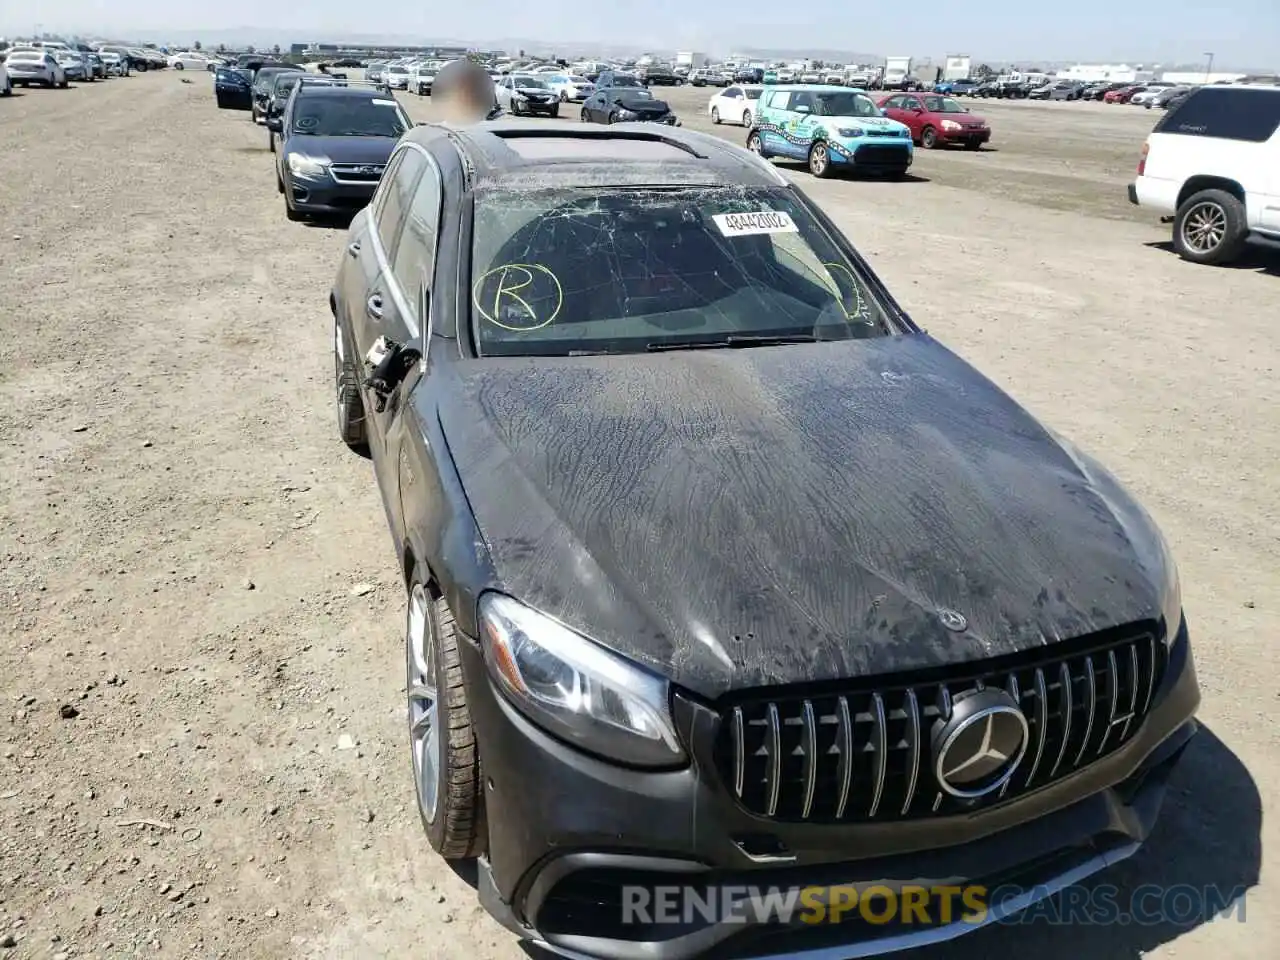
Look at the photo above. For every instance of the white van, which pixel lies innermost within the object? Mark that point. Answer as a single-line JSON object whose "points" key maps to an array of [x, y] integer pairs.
{"points": [[1212, 166]]}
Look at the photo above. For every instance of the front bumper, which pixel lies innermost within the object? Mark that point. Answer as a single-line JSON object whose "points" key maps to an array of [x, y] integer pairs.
{"points": [[567, 832], [326, 197], [965, 136], [874, 154], [544, 107]]}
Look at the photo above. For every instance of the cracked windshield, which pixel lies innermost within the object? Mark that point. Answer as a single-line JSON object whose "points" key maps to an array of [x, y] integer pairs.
{"points": [[583, 271], [350, 117]]}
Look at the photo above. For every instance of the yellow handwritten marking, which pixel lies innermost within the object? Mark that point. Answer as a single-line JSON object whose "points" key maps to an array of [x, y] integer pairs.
{"points": [[853, 285], [512, 279]]}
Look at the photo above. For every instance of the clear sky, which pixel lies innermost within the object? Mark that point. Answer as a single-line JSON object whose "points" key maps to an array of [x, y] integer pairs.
{"points": [[1240, 33]]}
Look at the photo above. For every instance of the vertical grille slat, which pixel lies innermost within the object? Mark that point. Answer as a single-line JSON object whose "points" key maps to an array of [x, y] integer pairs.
{"points": [[914, 748], [1091, 702], [1042, 725], [862, 752], [773, 752], [1066, 707], [739, 752], [810, 748], [844, 744], [880, 744]]}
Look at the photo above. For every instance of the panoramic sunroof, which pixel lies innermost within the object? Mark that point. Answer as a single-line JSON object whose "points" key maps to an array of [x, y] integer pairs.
{"points": [[593, 148]]}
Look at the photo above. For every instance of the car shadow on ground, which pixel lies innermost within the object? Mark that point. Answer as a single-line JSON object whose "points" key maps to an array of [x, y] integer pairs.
{"points": [[800, 166], [1205, 852], [337, 222], [1262, 259]]}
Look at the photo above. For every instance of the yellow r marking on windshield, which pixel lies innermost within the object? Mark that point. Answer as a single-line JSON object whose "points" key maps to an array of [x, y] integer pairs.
{"points": [[512, 279], [512, 291]]}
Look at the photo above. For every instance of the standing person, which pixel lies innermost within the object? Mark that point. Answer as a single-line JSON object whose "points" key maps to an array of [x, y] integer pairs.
{"points": [[463, 93]]}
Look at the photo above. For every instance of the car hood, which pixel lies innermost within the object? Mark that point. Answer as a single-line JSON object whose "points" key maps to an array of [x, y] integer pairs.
{"points": [[738, 518], [344, 149], [872, 123]]}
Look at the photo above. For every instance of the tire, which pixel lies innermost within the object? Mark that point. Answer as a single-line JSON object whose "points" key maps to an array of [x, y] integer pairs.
{"points": [[1210, 228], [292, 215], [755, 144], [564, 97], [64, 84], [555, 111], [613, 117], [820, 160], [352, 428], [929, 138], [584, 116], [253, 113], [271, 141], [446, 767], [973, 145], [715, 115], [747, 118], [279, 182], [179, 66]]}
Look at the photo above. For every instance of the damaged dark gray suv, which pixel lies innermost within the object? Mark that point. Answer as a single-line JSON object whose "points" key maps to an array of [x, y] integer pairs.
{"points": [[723, 575]]}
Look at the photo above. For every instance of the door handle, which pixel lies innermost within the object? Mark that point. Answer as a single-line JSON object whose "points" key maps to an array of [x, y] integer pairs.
{"points": [[374, 306], [353, 248]]}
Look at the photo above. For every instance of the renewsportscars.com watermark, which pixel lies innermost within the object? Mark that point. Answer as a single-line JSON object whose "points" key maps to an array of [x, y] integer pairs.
{"points": [[923, 906]]}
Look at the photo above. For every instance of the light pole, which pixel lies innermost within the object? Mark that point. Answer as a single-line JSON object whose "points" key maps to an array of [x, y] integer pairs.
{"points": [[1208, 69]]}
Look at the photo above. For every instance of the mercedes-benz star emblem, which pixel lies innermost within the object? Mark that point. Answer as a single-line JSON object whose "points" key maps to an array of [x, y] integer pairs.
{"points": [[979, 746], [953, 621]]}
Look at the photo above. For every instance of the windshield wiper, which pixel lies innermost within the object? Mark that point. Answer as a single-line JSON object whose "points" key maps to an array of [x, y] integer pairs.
{"points": [[736, 341]]}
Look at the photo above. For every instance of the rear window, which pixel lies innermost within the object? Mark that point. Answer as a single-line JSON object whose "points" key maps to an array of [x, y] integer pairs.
{"points": [[1226, 113], [561, 271]]}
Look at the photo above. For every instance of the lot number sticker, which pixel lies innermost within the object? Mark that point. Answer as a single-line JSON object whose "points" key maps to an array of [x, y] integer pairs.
{"points": [[751, 224]]}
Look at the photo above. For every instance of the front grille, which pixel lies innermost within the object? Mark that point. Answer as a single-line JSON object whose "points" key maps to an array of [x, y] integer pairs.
{"points": [[883, 133], [357, 172], [863, 754], [874, 155]]}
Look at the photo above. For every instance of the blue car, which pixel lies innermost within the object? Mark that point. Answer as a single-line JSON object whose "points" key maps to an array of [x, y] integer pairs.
{"points": [[831, 129]]}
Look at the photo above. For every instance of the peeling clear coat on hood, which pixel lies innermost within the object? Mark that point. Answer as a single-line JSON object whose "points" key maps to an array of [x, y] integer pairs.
{"points": [[740, 518]]}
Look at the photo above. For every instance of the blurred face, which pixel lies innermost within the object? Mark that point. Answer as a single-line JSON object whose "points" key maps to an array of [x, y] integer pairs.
{"points": [[464, 106]]}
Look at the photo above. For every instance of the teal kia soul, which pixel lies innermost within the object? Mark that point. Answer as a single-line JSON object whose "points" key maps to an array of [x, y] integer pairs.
{"points": [[830, 128]]}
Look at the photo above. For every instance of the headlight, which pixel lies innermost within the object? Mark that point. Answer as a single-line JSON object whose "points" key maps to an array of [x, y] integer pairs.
{"points": [[628, 114], [302, 166], [575, 689], [850, 131], [951, 125]]}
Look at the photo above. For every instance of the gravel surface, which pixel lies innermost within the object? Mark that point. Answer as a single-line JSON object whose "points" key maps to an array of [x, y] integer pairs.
{"points": [[202, 744]]}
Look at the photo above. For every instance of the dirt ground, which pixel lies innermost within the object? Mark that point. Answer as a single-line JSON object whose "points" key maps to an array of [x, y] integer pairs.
{"points": [[202, 743]]}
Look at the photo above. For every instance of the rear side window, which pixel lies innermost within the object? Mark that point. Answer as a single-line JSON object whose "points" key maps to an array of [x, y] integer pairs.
{"points": [[1229, 114], [399, 191]]}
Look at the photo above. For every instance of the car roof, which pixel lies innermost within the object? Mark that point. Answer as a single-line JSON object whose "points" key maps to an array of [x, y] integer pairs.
{"points": [[519, 155], [814, 87], [339, 89]]}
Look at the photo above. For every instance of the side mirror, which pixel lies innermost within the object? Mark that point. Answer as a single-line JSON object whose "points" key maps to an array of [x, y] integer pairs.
{"points": [[275, 124]]}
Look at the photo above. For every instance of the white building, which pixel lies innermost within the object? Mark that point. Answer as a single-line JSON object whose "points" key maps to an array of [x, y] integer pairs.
{"points": [[1191, 77], [691, 59], [1107, 72]]}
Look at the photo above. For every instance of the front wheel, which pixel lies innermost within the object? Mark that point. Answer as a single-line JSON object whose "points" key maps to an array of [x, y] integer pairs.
{"points": [[973, 145], [715, 114], [929, 139], [555, 111], [179, 66], [446, 761], [1210, 227], [747, 119], [614, 118], [819, 160], [585, 117], [755, 144]]}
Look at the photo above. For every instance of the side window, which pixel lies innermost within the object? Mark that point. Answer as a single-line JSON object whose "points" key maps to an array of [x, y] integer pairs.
{"points": [[732, 93], [399, 190], [1249, 115], [803, 100], [415, 257], [779, 99]]}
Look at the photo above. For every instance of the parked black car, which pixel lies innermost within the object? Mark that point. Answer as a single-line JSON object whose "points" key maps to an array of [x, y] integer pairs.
{"points": [[334, 141], [657, 75], [232, 88], [720, 571], [264, 79], [281, 86], [749, 75], [626, 104]]}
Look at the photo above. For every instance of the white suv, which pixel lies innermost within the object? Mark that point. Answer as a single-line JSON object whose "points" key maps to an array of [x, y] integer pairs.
{"points": [[1212, 165]]}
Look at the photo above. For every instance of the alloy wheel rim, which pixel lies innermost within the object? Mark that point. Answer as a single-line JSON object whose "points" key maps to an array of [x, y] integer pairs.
{"points": [[819, 158], [754, 144], [424, 730], [1204, 227]]}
